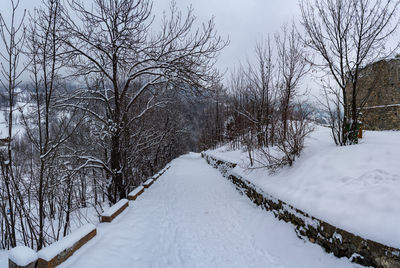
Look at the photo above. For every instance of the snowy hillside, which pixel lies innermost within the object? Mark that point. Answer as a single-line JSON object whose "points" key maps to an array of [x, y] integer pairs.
{"points": [[355, 187], [21, 105]]}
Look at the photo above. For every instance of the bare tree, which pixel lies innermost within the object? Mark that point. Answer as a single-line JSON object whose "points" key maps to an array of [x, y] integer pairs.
{"points": [[255, 95], [267, 96], [292, 68], [12, 36], [347, 35], [48, 126], [113, 45], [290, 144]]}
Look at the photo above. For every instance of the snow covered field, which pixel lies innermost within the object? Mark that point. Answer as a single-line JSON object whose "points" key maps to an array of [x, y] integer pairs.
{"points": [[355, 187]]}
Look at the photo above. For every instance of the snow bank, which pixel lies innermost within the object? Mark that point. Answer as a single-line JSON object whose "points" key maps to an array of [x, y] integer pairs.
{"points": [[22, 255], [157, 175], [147, 183], [165, 169], [332, 239], [160, 173], [355, 188], [115, 208], [136, 191], [3, 258], [226, 155], [69, 241]]}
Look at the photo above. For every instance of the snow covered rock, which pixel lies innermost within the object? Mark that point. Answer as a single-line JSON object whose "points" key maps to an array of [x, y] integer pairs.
{"points": [[148, 183], [114, 211], [135, 193], [59, 251], [22, 256], [159, 174]]}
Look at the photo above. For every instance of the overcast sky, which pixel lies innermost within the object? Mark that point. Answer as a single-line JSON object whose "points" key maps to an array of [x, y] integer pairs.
{"points": [[243, 21]]}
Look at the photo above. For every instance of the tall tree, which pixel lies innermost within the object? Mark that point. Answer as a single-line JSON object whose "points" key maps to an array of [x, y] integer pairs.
{"points": [[113, 43], [12, 35], [292, 67], [347, 35]]}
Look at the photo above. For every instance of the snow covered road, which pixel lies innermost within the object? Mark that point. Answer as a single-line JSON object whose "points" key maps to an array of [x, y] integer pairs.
{"points": [[193, 217]]}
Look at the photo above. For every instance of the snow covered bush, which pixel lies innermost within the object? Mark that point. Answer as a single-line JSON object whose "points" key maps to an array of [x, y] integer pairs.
{"points": [[288, 147], [269, 113]]}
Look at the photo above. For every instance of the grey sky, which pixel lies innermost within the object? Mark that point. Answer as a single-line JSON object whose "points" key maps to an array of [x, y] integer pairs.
{"points": [[243, 21]]}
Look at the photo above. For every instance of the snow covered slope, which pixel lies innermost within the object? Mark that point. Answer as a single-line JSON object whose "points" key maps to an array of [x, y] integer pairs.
{"points": [[356, 188], [193, 217], [4, 258]]}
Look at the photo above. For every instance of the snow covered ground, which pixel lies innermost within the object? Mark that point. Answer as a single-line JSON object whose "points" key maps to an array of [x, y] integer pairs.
{"points": [[21, 105], [193, 217], [3, 258], [355, 187]]}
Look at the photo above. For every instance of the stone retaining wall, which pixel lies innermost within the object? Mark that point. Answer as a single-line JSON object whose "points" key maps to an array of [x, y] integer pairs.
{"points": [[148, 183], [120, 206], [135, 193], [378, 86], [381, 118], [22, 257], [66, 253], [158, 175], [334, 240], [140, 190]]}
